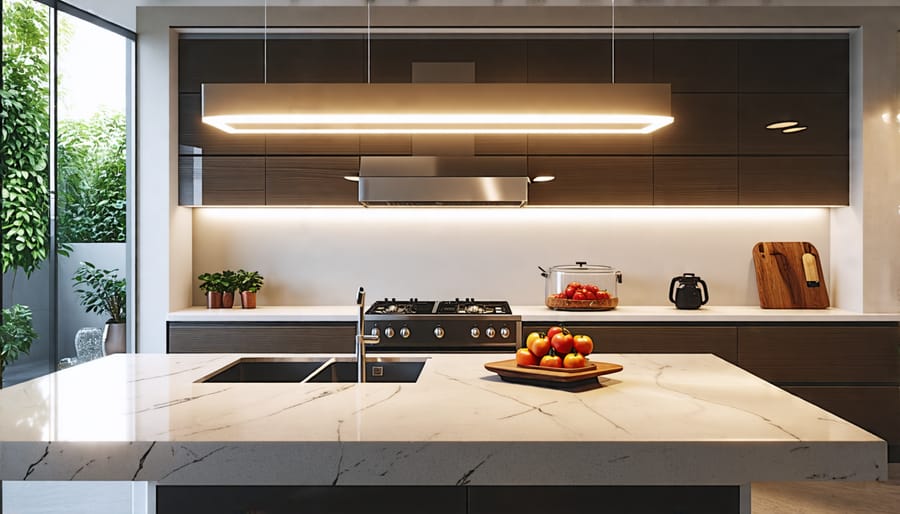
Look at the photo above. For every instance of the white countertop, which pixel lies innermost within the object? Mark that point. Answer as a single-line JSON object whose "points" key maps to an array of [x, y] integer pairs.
{"points": [[665, 419], [537, 313]]}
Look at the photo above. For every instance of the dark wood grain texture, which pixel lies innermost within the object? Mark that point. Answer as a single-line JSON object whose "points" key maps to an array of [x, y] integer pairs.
{"points": [[506, 144], [580, 60], [496, 60], [317, 60], [696, 65], [311, 181], [297, 144], [592, 180], [794, 181], [194, 136], [385, 144], [719, 340], [260, 337], [695, 180], [705, 124], [218, 60], [780, 278], [821, 354], [795, 65], [604, 144], [826, 115], [874, 408], [222, 180]]}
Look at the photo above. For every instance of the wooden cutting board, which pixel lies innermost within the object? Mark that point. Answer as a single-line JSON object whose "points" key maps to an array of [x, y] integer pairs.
{"points": [[789, 276], [511, 372]]}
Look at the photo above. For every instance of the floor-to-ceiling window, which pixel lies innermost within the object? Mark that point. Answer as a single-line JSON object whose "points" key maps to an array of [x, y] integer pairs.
{"points": [[65, 156]]}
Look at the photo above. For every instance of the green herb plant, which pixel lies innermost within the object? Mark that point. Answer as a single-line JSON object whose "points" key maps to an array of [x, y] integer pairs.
{"points": [[16, 334], [250, 281]]}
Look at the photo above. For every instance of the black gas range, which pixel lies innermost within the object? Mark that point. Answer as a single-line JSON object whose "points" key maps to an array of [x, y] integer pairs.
{"points": [[460, 325]]}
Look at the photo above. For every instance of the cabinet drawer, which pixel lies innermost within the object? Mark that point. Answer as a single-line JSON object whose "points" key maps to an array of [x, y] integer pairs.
{"points": [[261, 337], [821, 354], [311, 181], [721, 341], [221, 180], [592, 181], [794, 181], [705, 124], [827, 117], [695, 181], [874, 408]]}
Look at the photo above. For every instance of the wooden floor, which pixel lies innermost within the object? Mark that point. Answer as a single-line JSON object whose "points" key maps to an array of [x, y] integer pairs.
{"points": [[767, 498]]}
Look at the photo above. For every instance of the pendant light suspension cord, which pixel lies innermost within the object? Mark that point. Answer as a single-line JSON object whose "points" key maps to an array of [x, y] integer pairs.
{"points": [[368, 41], [265, 41], [613, 40]]}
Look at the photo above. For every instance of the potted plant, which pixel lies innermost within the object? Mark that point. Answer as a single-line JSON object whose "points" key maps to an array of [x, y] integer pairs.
{"points": [[250, 283], [16, 335], [230, 284], [213, 285], [103, 292]]}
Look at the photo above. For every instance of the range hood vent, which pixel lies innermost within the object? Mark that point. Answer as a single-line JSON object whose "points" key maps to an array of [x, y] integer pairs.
{"points": [[450, 181]]}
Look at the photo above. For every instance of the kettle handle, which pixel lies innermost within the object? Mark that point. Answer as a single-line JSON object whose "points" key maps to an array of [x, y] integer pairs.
{"points": [[672, 289], [705, 292]]}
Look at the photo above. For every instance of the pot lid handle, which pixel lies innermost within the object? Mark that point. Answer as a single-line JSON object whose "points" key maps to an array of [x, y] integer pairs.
{"points": [[580, 263]]}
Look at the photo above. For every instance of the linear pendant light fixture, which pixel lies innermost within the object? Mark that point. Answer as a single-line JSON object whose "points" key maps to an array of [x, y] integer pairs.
{"points": [[430, 108]]}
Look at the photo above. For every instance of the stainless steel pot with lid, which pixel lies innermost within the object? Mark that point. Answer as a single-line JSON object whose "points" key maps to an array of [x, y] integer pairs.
{"points": [[581, 286]]}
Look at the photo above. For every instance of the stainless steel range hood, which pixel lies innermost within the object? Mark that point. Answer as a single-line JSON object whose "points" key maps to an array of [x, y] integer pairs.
{"points": [[443, 180]]}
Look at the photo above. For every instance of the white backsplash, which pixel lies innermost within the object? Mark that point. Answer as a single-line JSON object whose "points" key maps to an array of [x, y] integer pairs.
{"points": [[321, 256]]}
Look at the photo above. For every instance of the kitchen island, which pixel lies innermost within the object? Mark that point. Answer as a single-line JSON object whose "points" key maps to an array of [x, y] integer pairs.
{"points": [[666, 420]]}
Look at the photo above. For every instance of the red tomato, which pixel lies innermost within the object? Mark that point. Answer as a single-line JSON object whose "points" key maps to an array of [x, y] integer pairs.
{"points": [[584, 344], [602, 295], [551, 361], [539, 347], [578, 296], [552, 332], [576, 285], [592, 288], [570, 291], [574, 360], [525, 358], [562, 342], [589, 295], [531, 337]]}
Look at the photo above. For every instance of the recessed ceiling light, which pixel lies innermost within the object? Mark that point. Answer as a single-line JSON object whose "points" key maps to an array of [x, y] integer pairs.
{"points": [[351, 178], [781, 124], [793, 129], [543, 178]]}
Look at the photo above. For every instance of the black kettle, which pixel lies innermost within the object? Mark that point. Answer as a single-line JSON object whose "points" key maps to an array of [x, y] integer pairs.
{"points": [[685, 294]]}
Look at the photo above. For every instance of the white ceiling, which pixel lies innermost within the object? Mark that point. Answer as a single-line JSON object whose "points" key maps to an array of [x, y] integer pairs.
{"points": [[122, 12]]}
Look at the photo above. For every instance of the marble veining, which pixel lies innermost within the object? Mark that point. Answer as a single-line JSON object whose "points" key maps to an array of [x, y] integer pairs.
{"points": [[665, 419]]}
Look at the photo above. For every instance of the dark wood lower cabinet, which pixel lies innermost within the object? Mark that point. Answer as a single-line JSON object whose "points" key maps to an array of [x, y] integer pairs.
{"points": [[261, 337], [446, 499]]}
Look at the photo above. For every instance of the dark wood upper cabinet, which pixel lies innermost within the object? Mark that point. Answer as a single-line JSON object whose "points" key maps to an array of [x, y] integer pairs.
{"points": [[794, 181], [217, 61], [592, 181], [589, 60], [705, 124], [303, 144], [196, 137], [696, 65], [604, 144], [794, 65], [317, 60], [827, 117], [220, 180], [695, 180], [311, 181], [496, 60]]}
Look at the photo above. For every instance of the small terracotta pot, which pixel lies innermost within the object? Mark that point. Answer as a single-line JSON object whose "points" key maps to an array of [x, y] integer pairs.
{"points": [[213, 300], [228, 300], [248, 300]]}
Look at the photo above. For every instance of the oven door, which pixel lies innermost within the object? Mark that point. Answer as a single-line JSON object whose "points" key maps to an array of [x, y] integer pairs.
{"points": [[454, 334]]}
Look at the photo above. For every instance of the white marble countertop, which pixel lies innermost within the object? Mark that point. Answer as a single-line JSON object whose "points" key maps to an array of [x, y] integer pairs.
{"points": [[665, 419], [537, 313]]}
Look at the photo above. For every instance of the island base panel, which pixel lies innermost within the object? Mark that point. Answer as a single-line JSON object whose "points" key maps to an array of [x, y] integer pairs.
{"points": [[448, 499]]}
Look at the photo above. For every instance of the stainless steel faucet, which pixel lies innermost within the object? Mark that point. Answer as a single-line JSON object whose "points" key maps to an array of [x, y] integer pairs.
{"points": [[361, 338]]}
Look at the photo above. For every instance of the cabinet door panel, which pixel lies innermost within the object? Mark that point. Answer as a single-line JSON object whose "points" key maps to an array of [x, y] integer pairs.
{"points": [[218, 60], [826, 115], [316, 60], [295, 144], [221, 180], [496, 60], [696, 65], [194, 136], [794, 181], [795, 65], [817, 354], [605, 144], [874, 408], [385, 144], [721, 341], [704, 124], [695, 181], [261, 337], [512, 144], [591, 181], [582, 60], [311, 181]]}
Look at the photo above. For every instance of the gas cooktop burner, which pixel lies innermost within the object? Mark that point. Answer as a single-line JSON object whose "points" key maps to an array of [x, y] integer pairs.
{"points": [[470, 306], [392, 306], [457, 306]]}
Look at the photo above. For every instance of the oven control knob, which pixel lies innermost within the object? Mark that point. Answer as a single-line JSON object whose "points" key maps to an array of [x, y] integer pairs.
{"points": [[389, 332], [439, 332], [404, 332], [475, 332], [375, 331], [504, 333], [490, 332]]}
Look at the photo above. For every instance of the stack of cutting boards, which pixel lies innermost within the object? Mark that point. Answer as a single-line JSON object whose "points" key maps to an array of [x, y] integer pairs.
{"points": [[789, 276]]}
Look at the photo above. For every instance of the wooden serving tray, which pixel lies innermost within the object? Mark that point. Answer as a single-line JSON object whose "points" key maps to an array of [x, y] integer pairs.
{"points": [[564, 304], [560, 378]]}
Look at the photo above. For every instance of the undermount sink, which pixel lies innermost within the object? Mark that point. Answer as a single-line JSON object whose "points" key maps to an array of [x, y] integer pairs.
{"points": [[338, 369]]}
